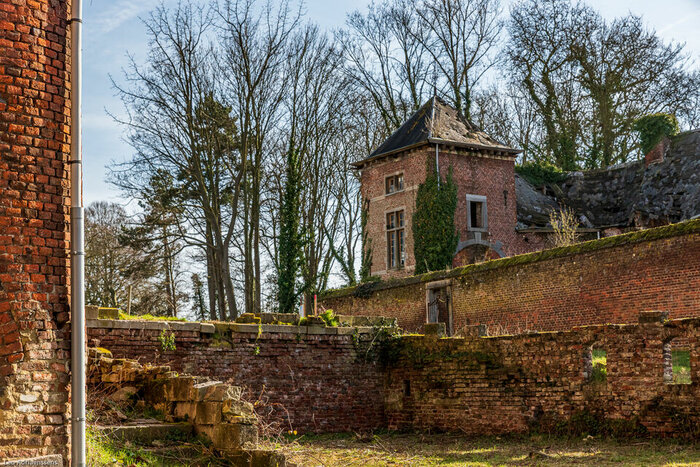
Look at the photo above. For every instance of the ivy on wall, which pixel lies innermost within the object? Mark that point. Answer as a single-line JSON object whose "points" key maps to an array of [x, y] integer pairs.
{"points": [[652, 128], [434, 236]]}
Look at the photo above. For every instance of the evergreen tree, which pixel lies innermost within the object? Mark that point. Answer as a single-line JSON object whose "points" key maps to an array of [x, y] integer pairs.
{"points": [[290, 237], [434, 236], [199, 305]]}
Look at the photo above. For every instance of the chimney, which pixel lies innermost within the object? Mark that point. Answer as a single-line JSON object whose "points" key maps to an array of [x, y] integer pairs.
{"points": [[658, 152]]}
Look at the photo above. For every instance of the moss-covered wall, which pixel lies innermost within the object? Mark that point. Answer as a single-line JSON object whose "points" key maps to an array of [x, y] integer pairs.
{"points": [[544, 381], [601, 281]]}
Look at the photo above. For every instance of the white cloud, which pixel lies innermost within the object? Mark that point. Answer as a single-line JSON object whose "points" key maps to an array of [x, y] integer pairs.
{"points": [[111, 17]]}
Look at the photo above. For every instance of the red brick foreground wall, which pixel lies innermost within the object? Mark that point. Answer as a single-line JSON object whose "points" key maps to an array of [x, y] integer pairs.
{"points": [[473, 385], [607, 281], [512, 384], [34, 217], [310, 383]]}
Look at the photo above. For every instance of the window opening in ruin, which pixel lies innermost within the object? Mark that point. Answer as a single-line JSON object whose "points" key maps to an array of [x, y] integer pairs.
{"points": [[477, 218], [597, 366], [395, 245], [394, 183], [407, 387], [439, 309], [676, 364]]}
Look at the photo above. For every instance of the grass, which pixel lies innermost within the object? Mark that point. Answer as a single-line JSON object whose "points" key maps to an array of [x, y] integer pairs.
{"points": [[681, 366], [103, 451], [392, 449]]}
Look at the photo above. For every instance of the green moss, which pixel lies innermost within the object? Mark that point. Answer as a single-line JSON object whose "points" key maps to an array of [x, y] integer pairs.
{"points": [[673, 230], [148, 317]]}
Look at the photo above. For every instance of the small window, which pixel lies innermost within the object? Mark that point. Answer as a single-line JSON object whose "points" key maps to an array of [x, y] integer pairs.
{"points": [[477, 219], [596, 365], [676, 365], [394, 183], [396, 254]]}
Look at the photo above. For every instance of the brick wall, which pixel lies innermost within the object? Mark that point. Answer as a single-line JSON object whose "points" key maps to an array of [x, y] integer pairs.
{"points": [[602, 281], [473, 385], [512, 384], [474, 173], [310, 380], [33, 228]]}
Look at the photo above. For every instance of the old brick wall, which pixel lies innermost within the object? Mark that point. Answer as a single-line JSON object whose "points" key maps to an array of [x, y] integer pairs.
{"points": [[603, 281], [34, 217], [310, 381], [474, 173], [412, 164], [512, 384]]}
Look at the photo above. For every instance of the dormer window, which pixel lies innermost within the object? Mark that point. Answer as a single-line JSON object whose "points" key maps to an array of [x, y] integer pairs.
{"points": [[477, 218], [394, 183]]}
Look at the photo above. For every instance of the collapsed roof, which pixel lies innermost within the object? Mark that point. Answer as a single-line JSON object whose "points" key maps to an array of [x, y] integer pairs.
{"points": [[628, 195], [437, 122]]}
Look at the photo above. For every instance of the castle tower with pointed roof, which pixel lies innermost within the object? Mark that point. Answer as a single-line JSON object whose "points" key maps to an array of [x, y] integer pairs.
{"points": [[483, 170]]}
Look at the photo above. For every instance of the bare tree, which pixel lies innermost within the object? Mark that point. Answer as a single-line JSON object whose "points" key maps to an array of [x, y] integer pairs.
{"points": [[166, 101], [252, 60], [541, 63], [386, 59], [461, 37]]}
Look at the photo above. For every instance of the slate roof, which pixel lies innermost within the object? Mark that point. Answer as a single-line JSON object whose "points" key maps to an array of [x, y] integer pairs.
{"points": [[437, 122], [665, 192]]}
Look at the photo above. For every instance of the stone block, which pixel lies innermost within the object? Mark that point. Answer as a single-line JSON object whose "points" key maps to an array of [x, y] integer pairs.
{"points": [[653, 317], [108, 313], [208, 413], [237, 407], [180, 389], [435, 329], [92, 312], [185, 411], [233, 436]]}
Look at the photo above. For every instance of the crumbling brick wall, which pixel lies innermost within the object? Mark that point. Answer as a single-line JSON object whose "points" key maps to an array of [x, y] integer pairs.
{"points": [[307, 379], [514, 384], [34, 217], [603, 281]]}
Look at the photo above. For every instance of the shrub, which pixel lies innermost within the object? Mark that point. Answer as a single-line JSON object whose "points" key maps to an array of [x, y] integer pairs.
{"points": [[652, 128], [540, 173]]}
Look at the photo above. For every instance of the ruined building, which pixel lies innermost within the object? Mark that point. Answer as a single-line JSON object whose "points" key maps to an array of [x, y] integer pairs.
{"points": [[499, 213]]}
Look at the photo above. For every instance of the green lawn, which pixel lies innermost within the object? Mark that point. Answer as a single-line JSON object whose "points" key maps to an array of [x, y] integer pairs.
{"points": [[455, 450]]}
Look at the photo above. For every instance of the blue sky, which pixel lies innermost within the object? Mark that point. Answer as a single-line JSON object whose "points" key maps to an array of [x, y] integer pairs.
{"points": [[112, 28]]}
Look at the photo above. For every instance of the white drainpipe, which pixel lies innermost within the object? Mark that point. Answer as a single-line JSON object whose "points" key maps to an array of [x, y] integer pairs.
{"points": [[77, 248]]}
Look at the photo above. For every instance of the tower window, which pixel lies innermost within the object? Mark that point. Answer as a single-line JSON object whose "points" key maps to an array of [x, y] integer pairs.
{"points": [[395, 240], [477, 218], [394, 183]]}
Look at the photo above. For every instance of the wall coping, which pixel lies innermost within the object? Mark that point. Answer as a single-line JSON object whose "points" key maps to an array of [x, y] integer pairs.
{"points": [[364, 290], [208, 328]]}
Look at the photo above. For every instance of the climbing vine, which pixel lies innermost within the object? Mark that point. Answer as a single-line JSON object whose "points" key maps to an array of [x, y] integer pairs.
{"points": [[652, 128]]}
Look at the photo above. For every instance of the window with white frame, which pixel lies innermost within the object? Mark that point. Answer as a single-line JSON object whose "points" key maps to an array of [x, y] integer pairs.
{"points": [[477, 218], [394, 183], [395, 247]]}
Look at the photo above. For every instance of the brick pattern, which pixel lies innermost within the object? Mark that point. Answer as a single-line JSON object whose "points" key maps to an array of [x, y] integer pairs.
{"points": [[310, 383], [474, 173], [34, 218], [509, 384], [603, 286]]}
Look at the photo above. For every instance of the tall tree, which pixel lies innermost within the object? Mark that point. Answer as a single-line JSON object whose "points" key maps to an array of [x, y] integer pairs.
{"points": [[254, 40], [173, 124]]}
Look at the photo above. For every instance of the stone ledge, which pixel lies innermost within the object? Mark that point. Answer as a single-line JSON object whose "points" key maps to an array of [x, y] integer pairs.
{"points": [[208, 328], [55, 460]]}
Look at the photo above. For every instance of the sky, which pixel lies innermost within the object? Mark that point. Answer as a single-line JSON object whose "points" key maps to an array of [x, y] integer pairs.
{"points": [[113, 29]]}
